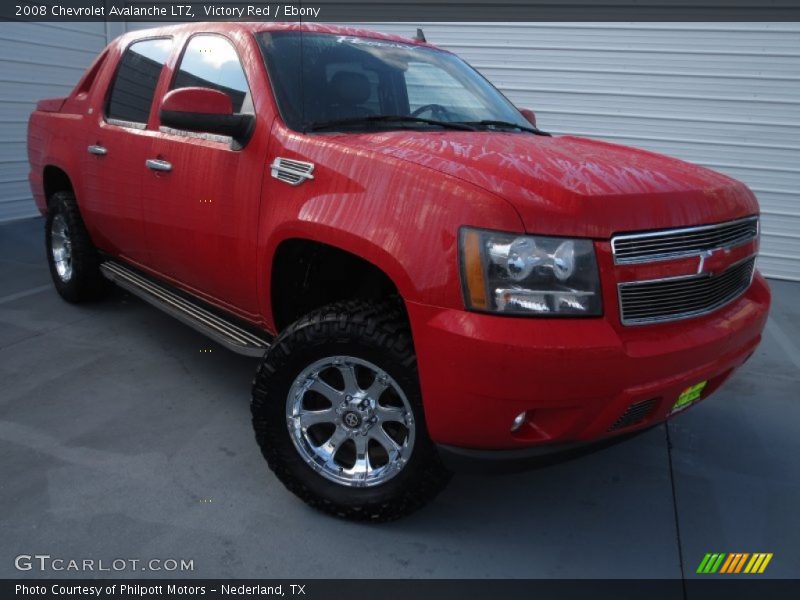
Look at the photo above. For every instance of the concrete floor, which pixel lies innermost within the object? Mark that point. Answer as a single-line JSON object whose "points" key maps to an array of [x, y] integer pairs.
{"points": [[119, 438]]}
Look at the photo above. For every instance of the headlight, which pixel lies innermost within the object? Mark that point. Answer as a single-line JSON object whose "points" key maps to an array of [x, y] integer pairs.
{"points": [[529, 275]]}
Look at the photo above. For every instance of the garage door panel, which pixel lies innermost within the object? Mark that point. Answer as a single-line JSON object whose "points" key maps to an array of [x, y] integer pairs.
{"points": [[787, 245], [698, 152], [13, 151], [13, 169], [778, 205], [779, 267], [742, 133], [34, 53], [21, 72], [16, 187], [706, 37], [763, 180], [783, 226], [30, 93], [586, 62], [726, 86], [90, 39], [14, 131], [726, 110], [17, 208], [86, 28]]}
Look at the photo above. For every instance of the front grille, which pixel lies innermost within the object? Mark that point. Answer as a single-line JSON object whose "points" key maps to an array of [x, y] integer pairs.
{"points": [[675, 243], [682, 297], [635, 414]]}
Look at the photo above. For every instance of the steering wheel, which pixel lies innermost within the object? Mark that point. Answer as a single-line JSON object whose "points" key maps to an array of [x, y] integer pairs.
{"points": [[437, 111]]}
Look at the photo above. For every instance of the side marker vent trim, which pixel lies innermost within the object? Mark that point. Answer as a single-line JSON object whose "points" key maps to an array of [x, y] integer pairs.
{"points": [[293, 172]]}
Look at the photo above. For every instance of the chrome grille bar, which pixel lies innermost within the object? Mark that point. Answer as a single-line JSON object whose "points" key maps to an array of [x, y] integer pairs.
{"points": [[682, 297], [676, 243]]}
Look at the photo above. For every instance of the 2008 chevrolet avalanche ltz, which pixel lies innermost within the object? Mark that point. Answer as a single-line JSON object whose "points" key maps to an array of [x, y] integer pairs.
{"points": [[427, 275]]}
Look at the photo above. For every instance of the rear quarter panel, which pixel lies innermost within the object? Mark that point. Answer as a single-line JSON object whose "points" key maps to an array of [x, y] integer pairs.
{"points": [[52, 139]]}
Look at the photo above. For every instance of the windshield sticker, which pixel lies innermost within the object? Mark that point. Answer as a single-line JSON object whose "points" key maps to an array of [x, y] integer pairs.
{"points": [[346, 39]]}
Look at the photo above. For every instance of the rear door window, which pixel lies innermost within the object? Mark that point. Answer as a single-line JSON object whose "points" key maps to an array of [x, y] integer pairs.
{"points": [[134, 85]]}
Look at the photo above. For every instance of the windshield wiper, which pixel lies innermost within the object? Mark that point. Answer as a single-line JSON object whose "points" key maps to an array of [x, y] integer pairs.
{"points": [[504, 125], [376, 119]]}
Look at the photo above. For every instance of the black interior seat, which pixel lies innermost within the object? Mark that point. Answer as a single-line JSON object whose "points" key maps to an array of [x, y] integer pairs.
{"points": [[347, 92]]}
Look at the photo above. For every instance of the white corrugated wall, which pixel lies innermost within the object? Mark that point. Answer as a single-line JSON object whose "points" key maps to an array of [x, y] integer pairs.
{"points": [[725, 95], [39, 60]]}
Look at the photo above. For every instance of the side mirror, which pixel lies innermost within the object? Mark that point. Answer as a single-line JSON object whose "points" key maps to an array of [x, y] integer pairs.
{"points": [[204, 110], [529, 116]]}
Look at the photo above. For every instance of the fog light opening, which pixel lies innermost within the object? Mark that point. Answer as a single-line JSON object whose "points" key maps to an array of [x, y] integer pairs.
{"points": [[519, 421]]}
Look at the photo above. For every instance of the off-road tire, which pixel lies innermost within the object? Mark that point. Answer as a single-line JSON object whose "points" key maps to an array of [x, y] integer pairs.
{"points": [[374, 331], [85, 281]]}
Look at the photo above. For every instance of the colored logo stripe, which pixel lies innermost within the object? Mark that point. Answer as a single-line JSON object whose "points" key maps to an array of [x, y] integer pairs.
{"points": [[710, 563], [758, 563], [734, 562]]}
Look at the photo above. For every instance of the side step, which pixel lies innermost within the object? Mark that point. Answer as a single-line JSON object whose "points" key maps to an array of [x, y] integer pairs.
{"points": [[218, 328]]}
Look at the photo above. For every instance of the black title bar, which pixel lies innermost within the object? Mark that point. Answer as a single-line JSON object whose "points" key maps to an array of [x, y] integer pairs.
{"points": [[418, 11]]}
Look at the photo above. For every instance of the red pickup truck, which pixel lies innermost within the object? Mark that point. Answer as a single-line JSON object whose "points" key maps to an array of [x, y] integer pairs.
{"points": [[427, 275]]}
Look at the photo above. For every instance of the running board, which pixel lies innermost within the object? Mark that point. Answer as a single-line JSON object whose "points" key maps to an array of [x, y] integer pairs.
{"points": [[218, 328]]}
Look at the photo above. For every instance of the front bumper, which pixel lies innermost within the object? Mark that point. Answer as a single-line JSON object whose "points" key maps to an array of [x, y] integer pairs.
{"points": [[575, 377], [478, 460]]}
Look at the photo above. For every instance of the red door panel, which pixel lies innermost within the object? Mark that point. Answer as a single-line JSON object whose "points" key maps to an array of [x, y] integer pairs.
{"points": [[111, 155], [114, 147], [201, 217], [201, 198]]}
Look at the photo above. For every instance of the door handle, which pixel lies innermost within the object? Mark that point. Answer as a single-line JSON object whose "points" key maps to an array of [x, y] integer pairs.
{"points": [[97, 149], [155, 164]]}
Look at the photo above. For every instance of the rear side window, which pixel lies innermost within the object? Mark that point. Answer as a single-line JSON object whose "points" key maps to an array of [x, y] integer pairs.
{"points": [[135, 83], [211, 61]]}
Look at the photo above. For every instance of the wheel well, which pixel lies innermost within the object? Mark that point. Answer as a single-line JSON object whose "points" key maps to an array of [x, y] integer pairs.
{"points": [[307, 275], [55, 180]]}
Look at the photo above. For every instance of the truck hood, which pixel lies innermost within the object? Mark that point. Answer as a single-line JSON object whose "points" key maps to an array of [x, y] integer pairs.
{"points": [[572, 186]]}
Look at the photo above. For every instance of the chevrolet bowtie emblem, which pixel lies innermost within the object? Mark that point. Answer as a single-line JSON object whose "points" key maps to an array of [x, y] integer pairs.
{"points": [[703, 266]]}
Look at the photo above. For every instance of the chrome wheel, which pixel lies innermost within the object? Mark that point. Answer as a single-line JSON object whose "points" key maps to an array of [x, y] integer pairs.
{"points": [[61, 247], [350, 421]]}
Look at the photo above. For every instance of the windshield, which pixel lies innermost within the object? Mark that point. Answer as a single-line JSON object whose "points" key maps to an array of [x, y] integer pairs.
{"points": [[321, 79]]}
